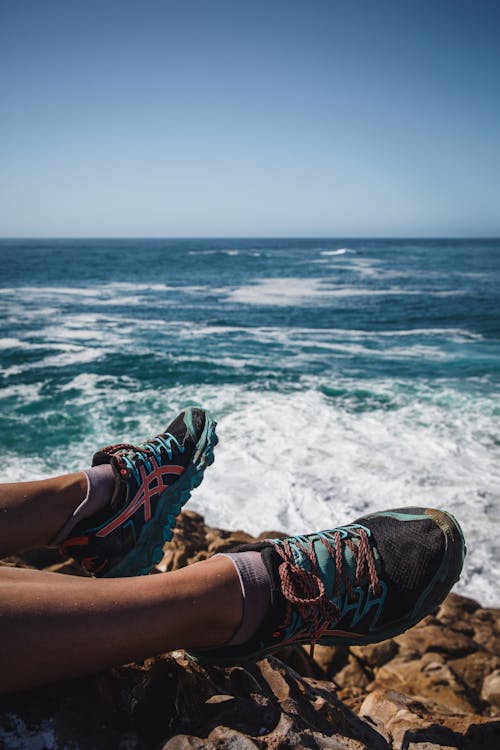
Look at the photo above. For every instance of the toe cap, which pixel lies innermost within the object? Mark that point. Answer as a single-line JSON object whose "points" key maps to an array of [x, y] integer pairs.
{"points": [[421, 555]]}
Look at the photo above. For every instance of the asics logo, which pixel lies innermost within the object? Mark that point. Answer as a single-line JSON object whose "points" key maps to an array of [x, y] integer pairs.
{"points": [[361, 606], [150, 486]]}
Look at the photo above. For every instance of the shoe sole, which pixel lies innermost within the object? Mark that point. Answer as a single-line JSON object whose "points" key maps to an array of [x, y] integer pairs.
{"points": [[432, 597], [148, 549]]}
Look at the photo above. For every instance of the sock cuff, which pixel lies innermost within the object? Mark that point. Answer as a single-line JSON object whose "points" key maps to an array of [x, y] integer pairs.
{"points": [[95, 475], [255, 590], [100, 482]]}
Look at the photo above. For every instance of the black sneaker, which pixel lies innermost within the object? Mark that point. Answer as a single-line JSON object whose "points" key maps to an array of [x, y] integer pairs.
{"points": [[356, 584], [153, 481]]}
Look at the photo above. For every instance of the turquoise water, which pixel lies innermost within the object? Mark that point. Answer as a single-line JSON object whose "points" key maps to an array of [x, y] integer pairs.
{"points": [[346, 375]]}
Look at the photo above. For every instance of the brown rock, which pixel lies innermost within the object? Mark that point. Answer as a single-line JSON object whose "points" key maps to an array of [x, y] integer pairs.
{"points": [[435, 637], [330, 659], [473, 668], [405, 721], [455, 608], [376, 654], [335, 743], [300, 660], [194, 541], [186, 742], [392, 713], [486, 625], [490, 691], [224, 738], [428, 679], [354, 676], [428, 746]]}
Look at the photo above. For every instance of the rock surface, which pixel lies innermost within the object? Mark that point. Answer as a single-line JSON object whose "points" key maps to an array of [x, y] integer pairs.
{"points": [[435, 686]]}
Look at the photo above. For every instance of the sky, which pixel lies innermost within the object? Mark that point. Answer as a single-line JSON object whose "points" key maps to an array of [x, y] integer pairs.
{"points": [[280, 118]]}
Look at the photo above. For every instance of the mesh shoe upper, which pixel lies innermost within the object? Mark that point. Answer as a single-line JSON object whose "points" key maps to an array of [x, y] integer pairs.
{"points": [[416, 546]]}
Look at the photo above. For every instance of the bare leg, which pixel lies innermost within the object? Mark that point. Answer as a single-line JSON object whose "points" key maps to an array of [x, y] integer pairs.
{"points": [[32, 513], [54, 626]]}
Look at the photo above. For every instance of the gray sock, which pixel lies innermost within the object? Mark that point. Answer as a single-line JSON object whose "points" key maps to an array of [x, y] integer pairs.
{"points": [[100, 487], [256, 592]]}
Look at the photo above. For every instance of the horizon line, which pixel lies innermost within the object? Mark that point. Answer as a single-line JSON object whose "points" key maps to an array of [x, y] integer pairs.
{"points": [[254, 237]]}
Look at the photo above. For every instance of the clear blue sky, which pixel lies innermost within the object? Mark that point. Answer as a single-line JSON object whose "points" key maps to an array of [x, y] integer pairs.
{"points": [[207, 118]]}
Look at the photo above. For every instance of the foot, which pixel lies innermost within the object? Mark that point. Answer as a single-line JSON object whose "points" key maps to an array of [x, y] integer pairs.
{"points": [[152, 482], [356, 584]]}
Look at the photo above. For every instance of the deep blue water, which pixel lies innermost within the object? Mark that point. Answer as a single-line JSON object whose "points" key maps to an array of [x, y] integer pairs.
{"points": [[345, 374]]}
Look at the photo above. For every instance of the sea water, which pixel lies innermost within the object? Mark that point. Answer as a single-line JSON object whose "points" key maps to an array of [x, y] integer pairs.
{"points": [[346, 375]]}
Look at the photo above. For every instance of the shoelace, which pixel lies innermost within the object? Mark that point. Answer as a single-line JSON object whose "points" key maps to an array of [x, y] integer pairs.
{"points": [[145, 451], [305, 589]]}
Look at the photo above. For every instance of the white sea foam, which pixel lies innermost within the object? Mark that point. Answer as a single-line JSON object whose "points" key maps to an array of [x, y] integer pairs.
{"points": [[25, 393], [373, 269], [340, 251], [458, 333], [355, 349], [265, 291], [49, 290], [280, 291], [73, 355], [92, 330], [220, 251], [287, 335], [118, 329], [100, 295], [301, 291], [83, 337], [79, 291], [12, 343], [364, 267]]}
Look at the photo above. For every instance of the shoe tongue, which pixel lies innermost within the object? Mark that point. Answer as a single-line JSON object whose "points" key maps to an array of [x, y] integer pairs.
{"points": [[120, 491], [101, 457], [177, 428]]}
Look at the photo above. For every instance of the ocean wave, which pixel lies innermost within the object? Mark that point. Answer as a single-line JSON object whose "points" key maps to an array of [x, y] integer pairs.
{"points": [[109, 293], [340, 251], [276, 292], [13, 343], [284, 292], [228, 251], [287, 334], [72, 356], [78, 339]]}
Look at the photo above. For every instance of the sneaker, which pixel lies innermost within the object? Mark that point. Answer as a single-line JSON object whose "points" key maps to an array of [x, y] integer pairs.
{"points": [[356, 584], [153, 481]]}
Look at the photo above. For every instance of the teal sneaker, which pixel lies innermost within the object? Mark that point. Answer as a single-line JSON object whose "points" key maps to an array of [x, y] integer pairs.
{"points": [[356, 584], [152, 482]]}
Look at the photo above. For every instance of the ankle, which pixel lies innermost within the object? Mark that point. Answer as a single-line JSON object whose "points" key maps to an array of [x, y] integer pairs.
{"points": [[223, 611], [73, 487]]}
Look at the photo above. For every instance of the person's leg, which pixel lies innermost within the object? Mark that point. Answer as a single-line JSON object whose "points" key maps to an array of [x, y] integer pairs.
{"points": [[32, 513], [55, 627]]}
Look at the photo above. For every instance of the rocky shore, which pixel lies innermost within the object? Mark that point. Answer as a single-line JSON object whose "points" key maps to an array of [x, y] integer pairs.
{"points": [[435, 686]]}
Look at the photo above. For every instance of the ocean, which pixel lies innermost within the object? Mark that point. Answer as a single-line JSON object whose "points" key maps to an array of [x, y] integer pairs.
{"points": [[346, 375]]}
